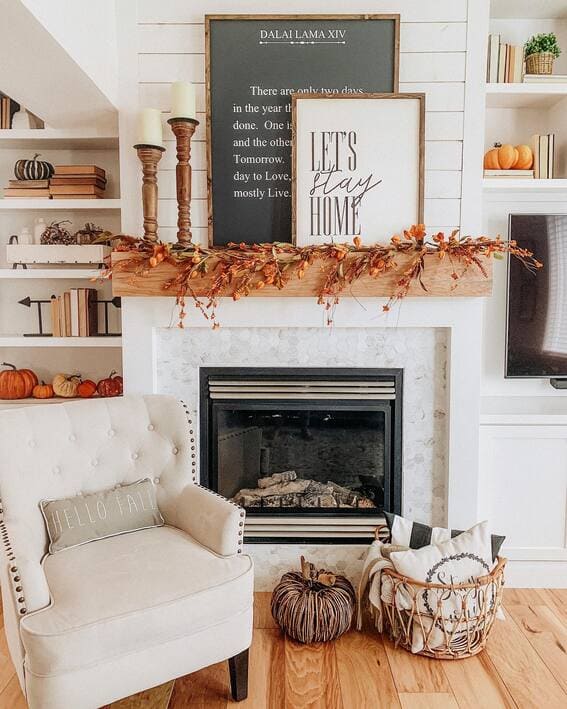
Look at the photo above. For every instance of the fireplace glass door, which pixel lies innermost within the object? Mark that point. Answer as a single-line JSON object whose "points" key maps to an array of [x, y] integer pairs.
{"points": [[289, 456]]}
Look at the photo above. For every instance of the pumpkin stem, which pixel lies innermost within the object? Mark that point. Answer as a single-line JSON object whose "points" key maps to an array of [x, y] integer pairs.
{"points": [[112, 374], [497, 145], [35, 157], [7, 364]]}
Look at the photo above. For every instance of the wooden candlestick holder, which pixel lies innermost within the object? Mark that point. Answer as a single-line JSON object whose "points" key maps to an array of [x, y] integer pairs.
{"points": [[183, 129], [149, 156]]}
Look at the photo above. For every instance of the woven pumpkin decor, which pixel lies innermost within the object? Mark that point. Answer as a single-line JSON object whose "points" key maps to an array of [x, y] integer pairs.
{"points": [[56, 233], [313, 606]]}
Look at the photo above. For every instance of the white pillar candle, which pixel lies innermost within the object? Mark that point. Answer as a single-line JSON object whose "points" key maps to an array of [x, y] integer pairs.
{"points": [[149, 127], [183, 100]]}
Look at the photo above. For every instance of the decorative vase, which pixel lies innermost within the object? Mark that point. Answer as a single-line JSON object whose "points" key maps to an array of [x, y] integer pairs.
{"points": [[25, 236], [540, 63], [21, 120], [38, 229]]}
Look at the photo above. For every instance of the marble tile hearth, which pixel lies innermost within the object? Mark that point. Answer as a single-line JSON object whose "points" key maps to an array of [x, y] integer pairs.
{"points": [[421, 352]]}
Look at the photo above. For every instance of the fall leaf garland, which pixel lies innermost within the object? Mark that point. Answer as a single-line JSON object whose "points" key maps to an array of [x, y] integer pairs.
{"points": [[238, 269]]}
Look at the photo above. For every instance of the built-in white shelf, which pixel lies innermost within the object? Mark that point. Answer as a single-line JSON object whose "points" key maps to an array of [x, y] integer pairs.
{"points": [[21, 341], [522, 184], [524, 95], [15, 403], [12, 274], [62, 205], [48, 138], [528, 9]]}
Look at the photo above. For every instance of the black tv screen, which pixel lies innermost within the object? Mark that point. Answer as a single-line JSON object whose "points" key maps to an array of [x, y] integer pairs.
{"points": [[537, 302]]}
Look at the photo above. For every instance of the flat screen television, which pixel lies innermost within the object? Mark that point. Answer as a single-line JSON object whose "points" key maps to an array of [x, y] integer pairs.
{"points": [[536, 339]]}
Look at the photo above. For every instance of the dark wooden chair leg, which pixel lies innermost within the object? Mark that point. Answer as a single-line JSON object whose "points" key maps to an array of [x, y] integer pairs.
{"points": [[238, 668]]}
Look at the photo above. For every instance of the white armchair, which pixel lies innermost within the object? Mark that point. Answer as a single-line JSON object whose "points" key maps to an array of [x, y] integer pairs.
{"points": [[98, 622]]}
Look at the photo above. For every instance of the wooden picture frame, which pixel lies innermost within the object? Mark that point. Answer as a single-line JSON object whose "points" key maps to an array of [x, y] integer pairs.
{"points": [[357, 166], [376, 69]]}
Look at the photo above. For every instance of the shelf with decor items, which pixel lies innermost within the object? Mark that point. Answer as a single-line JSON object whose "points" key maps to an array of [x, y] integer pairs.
{"points": [[91, 157], [534, 103]]}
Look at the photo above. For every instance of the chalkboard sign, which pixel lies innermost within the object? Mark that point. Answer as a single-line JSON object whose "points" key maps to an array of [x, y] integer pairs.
{"points": [[253, 65]]}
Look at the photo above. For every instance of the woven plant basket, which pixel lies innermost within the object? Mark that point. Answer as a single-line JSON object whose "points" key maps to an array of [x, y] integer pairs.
{"points": [[447, 635], [313, 606], [540, 63]]}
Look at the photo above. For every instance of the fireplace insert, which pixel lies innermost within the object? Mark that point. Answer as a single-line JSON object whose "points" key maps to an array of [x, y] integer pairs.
{"points": [[310, 453]]}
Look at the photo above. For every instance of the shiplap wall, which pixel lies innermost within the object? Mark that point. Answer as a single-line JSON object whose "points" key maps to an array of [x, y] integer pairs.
{"points": [[433, 37]]}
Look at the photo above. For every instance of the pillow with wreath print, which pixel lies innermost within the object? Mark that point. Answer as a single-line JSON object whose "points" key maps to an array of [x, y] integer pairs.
{"points": [[459, 560]]}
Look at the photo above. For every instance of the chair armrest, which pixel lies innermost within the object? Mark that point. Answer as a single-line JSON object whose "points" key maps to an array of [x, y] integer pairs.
{"points": [[211, 519]]}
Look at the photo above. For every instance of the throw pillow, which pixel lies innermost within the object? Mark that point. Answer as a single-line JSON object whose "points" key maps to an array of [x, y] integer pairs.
{"points": [[416, 535], [84, 518], [462, 559]]}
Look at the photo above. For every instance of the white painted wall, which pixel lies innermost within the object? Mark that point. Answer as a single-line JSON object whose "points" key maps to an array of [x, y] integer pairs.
{"points": [[37, 70], [87, 31]]}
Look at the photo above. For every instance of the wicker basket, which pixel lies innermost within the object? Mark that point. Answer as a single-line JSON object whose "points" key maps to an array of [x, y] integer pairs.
{"points": [[446, 635], [540, 63]]}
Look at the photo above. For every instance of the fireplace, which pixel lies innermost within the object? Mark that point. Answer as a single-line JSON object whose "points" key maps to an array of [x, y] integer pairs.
{"points": [[312, 454]]}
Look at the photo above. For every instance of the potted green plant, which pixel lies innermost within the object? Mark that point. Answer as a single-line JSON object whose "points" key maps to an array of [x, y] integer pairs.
{"points": [[540, 51]]}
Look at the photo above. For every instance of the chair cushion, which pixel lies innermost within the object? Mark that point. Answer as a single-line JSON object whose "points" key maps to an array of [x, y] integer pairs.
{"points": [[119, 595]]}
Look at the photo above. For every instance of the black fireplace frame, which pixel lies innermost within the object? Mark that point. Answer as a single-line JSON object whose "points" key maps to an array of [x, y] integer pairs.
{"points": [[207, 452]]}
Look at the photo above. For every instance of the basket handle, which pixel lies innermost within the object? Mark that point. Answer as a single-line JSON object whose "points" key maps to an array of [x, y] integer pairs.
{"points": [[379, 529], [495, 571]]}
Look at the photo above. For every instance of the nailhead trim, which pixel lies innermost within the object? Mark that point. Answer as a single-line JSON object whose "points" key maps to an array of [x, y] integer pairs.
{"points": [[240, 539], [13, 570], [192, 441]]}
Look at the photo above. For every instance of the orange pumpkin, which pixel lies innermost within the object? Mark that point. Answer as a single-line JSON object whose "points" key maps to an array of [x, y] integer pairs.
{"points": [[111, 386], [525, 158], [43, 391], [86, 388], [16, 383], [491, 160], [500, 157]]}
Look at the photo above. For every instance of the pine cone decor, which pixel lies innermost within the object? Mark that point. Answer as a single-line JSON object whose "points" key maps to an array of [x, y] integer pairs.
{"points": [[57, 234], [89, 233]]}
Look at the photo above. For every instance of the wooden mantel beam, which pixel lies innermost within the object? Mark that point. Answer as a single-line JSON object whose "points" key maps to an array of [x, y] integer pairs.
{"points": [[437, 279]]}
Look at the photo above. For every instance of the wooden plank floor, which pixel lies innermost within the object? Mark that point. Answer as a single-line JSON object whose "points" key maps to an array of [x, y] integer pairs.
{"points": [[524, 666]]}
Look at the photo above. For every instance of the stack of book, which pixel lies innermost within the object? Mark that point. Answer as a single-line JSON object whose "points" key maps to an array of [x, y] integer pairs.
{"points": [[27, 188], [505, 63], [75, 313], [543, 147], [545, 78], [7, 110], [77, 182]]}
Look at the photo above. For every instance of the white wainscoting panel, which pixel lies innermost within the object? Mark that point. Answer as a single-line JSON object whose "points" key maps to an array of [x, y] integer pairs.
{"points": [[523, 489]]}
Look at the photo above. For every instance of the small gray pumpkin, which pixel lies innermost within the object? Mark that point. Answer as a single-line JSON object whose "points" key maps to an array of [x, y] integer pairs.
{"points": [[33, 169]]}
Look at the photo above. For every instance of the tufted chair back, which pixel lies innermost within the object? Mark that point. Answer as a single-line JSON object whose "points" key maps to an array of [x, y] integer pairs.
{"points": [[60, 450]]}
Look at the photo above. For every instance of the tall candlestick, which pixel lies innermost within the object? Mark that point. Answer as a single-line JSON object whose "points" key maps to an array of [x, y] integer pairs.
{"points": [[183, 129], [149, 155], [149, 128], [183, 100]]}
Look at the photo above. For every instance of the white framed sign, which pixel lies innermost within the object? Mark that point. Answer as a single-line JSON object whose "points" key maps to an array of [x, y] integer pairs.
{"points": [[357, 166]]}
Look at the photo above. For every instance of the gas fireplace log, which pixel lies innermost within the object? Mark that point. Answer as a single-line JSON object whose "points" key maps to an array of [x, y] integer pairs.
{"points": [[285, 489], [286, 476]]}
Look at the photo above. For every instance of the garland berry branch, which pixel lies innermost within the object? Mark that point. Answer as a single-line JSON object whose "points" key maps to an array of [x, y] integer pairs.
{"points": [[238, 269]]}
